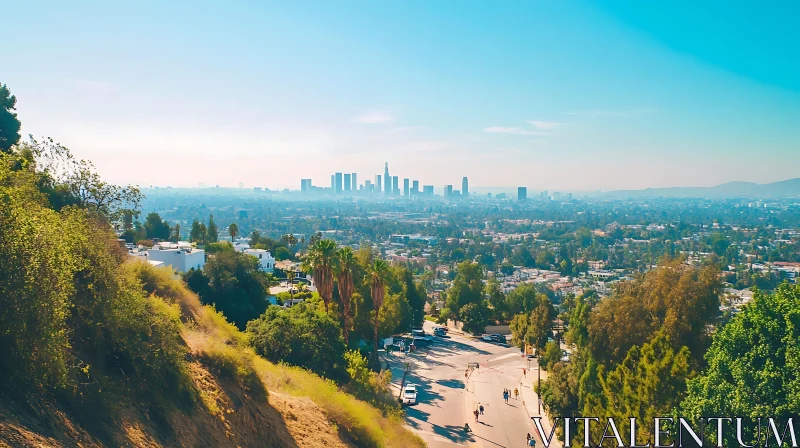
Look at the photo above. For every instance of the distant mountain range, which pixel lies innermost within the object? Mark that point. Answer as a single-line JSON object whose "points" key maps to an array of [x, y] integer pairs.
{"points": [[784, 188]]}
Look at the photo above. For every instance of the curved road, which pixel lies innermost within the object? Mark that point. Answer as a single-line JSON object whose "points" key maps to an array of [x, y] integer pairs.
{"points": [[446, 398]]}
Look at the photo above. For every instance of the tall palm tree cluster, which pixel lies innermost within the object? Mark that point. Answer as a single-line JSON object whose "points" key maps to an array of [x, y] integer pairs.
{"points": [[326, 263]]}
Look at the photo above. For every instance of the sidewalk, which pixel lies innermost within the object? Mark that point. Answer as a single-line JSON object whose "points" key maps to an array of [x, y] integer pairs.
{"points": [[530, 399]]}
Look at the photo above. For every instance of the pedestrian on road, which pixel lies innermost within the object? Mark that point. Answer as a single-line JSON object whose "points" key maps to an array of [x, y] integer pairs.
{"points": [[476, 414], [516, 393], [481, 409], [525, 373], [505, 396], [531, 442]]}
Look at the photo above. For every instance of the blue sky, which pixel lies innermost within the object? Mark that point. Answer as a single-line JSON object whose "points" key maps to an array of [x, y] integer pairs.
{"points": [[557, 95]]}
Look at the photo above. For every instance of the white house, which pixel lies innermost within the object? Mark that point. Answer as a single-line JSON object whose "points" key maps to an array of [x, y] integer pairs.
{"points": [[264, 257], [180, 256]]}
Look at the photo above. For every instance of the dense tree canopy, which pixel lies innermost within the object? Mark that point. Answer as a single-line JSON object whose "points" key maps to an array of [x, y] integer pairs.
{"points": [[234, 283], [753, 363], [9, 123]]}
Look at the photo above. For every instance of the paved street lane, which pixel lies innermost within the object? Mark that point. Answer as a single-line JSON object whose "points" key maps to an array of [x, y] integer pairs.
{"points": [[447, 399]]}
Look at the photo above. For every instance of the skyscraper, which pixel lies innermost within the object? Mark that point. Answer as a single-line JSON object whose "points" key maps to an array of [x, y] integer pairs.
{"points": [[333, 182], [354, 182], [522, 193], [347, 183], [415, 188], [387, 180], [427, 190], [378, 183], [338, 185], [448, 191], [465, 187], [395, 186], [405, 187]]}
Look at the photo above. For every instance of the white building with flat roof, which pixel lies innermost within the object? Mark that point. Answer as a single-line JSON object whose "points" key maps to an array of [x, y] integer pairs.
{"points": [[180, 256], [264, 257]]}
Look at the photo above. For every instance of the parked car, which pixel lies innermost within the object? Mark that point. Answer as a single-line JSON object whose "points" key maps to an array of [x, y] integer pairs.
{"points": [[498, 338], [418, 332], [487, 338], [439, 331], [410, 394]]}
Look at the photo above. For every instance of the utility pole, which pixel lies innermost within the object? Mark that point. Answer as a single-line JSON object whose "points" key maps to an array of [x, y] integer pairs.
{"points": [[539, 386]]}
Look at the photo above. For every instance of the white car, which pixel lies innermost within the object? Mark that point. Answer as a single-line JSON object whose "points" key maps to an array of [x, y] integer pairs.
{"points": [[410, 394], [487, 338]]}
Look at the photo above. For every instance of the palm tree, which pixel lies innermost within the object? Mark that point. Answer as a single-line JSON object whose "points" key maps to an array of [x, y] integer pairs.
{"points": [[233, 229], [345, 262], [319, 261], [379, 273]]}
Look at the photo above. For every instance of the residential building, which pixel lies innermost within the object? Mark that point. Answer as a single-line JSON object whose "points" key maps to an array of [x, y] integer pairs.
{"points": [[265, 258], [180, 256]]}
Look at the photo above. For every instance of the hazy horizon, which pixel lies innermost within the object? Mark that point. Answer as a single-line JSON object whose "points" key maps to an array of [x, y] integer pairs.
{"points": [[565, 96]]}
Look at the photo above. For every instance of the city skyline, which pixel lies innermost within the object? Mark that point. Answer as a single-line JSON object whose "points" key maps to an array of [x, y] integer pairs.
{"points": [[559, 96]]}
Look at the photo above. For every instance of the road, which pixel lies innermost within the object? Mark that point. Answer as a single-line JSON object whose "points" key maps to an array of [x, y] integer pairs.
{"points": [[447, 398]]}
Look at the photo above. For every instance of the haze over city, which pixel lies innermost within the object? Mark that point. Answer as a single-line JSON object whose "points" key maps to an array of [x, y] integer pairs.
{"points": [[570, 96]]}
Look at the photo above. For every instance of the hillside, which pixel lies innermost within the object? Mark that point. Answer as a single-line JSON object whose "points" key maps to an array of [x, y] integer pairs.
{"points": [[785, 188], [244, 400]]}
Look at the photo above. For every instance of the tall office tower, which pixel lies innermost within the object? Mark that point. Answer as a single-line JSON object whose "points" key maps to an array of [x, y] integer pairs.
{"points": [[368, 186], [465, 187], [354, 182], [305, 185], [378, 183], [347, 182], [415, 188], [448, 191], [387, 180], [338, 188], [405, 188], [428, 190], [333, 182], [522, 193], [395, 186]]}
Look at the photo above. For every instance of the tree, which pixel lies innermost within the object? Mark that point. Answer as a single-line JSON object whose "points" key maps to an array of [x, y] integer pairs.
{"points": [[156, 228], [415, 297], [552, 355], [467, 287], [519, 330], [650, 382], [233, 230], [300, 336], [234, 283], [319, 262], [496, 298], [473, 315], [752, 363], [345, 264], [9, 123], [176, 233], [680, 300], [67, 181], [378, 274], [523, 299], [212, 235], [196, 235], [540, 324]]}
